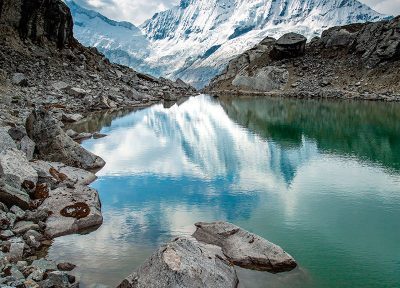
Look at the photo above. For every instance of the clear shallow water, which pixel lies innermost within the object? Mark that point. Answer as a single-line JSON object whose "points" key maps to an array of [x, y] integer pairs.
{"points": [[321, 179]]}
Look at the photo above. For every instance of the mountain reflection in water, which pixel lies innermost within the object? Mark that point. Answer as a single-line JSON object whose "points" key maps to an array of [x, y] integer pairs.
{"points": [[319, 178]]}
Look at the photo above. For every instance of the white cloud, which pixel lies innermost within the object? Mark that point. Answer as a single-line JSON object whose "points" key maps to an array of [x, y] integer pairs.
{"points": [[390, 7], [135, 11]]}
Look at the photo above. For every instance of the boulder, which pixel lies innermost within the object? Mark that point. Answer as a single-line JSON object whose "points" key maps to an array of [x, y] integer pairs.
{"points": [[71, 117], [28, 147], [243, 248], [16, 170], [19, 79], [53, 173], [264, 79], [76, 92], [23, 226], [12, 196], [6, 142], [289, 45], [184, 262], [53, 144], [71, 210]]}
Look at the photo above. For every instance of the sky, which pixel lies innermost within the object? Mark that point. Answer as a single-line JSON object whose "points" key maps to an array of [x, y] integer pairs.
{"points": [[137, 11]]}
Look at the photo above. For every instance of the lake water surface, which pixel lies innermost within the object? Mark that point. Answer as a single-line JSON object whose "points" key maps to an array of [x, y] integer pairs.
{"points": [[321, 179]]}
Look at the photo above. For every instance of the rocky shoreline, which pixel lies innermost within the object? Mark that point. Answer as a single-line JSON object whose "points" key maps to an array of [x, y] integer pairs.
{"points": [[357, 62]]}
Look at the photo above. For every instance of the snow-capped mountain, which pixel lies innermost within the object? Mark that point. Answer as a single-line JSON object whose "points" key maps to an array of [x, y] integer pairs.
{"points": [[196, 39], [121, 42]]}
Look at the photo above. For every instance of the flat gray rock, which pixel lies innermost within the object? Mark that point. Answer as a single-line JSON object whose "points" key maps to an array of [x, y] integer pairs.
{"points": [[51, 172], [72, 210], [243, 248], [184, 262]]}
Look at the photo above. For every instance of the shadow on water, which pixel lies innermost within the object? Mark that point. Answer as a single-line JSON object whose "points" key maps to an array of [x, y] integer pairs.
{"points": [[366, 130]]}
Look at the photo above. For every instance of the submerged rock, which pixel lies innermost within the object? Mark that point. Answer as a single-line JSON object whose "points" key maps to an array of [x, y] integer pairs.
{"points": [[243, 248], [53, 144], [72, 210], [184, 262]]}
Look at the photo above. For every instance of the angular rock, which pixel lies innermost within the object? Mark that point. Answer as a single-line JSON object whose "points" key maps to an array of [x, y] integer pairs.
{"points": [[15, 169], [66, 266], [44, 265], [19, 213], [28, 147], [16, 250], [53, 144], [6, 142], [60, 85], [76, 92], [184, 262], [289, 45], [71, 117], [243, 248], [72, 210], [98, 135], [23, 226], [6, 234], [56, 279], [52, 173], [19, 79], [4, 220], [12, 196]]}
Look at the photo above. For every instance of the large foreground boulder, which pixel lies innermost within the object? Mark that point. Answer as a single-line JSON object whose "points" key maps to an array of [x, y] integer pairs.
{"points": [[243, 248], [53, 144], [72, 210], [184, 262]]}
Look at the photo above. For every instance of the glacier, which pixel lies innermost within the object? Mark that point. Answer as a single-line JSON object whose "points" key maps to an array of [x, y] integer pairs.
{"points": [[196, 39]]}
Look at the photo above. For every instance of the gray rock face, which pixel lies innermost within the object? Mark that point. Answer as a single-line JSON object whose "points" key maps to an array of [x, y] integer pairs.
{"points": [[264, 79], [39, 19], [53, 173], [19, 79], [6, 142], [13, 196], [71, 210], [184, 262], [28, 147], [53, 144], [15, 168], [243, 248], [289, 45]]}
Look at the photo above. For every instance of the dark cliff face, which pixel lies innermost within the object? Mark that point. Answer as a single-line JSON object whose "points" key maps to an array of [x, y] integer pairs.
{"points": [[38, 20]]}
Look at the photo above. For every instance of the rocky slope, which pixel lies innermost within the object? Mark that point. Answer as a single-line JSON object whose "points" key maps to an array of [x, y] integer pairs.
{"points": [[47, 79], [219, 30], [358, 61]]}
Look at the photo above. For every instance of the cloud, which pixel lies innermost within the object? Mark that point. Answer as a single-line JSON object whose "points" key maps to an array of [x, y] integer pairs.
{"points": [[390, 7], [135, 11]]}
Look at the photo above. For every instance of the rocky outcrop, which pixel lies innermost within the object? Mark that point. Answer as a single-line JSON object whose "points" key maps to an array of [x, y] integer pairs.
{"points": [[357, 61], [290, 45], [243, 248], [38, 20], [184, 262], [53, 144]]}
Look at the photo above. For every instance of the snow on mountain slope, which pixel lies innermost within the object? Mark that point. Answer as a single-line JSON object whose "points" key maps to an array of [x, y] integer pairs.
{"points": [[196, 39], [121, 42]]}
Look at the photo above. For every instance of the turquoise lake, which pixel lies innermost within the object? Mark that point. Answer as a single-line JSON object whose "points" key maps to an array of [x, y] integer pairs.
{"points": [[319, 178]]}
